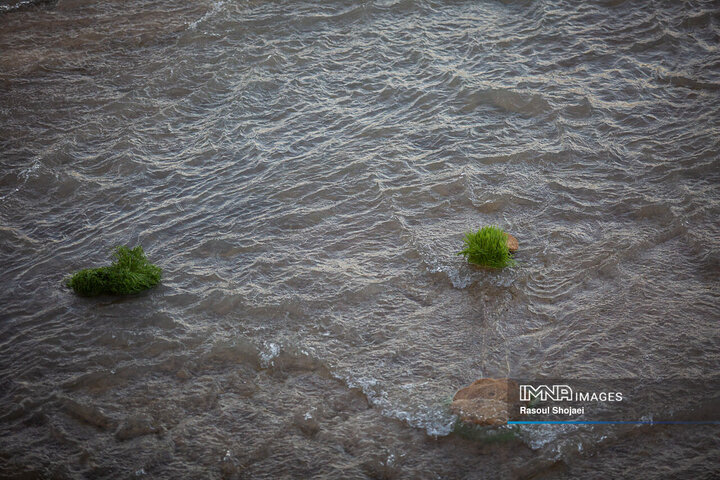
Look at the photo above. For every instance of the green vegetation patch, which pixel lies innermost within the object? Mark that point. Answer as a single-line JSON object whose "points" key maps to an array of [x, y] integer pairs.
{"points": [[488, 248], [489, 435], [130, 273]]}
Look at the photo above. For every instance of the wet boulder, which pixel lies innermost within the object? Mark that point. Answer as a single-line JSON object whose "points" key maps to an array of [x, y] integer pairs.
{"points": [[512, 243], [135, 426], [488, 401]]}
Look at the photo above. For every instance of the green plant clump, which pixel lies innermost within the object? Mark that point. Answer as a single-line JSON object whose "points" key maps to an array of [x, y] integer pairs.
{"points": [[488, 435], [488, 247], [130, 273]]}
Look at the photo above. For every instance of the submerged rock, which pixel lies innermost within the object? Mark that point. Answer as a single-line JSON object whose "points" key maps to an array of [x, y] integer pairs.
{"points": [[88, 413], [136, 426], [307, 422], [512, 243], [487, 401]]}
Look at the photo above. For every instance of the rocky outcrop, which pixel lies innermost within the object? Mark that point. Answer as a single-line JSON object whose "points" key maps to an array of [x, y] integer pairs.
{"points": [[487, 401]]}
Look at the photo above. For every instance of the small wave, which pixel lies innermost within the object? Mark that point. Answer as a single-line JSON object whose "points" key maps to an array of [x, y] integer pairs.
{"points": [[436, 420], [437, 263], [582, 109], [457, 279], [23, 177], [23, 4], [681, 80], [214, 9], [507, 100]]}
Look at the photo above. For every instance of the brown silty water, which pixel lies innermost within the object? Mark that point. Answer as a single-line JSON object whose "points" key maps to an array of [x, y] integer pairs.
{"points": [[304, 173]]}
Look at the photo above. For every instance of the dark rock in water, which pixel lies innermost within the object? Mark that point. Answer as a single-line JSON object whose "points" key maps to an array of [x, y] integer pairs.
{"points": [[487, 401], [133, 427], [512, 243], [229, 466], [87, 413], [307, 422], [539, 468]]}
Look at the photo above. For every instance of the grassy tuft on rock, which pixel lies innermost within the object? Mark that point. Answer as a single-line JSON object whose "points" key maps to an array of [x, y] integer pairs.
{"points": [[130, 273], [487, 247]]}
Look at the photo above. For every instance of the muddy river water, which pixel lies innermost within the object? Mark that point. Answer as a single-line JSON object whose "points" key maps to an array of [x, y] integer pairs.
{"points": [[304, 172]]}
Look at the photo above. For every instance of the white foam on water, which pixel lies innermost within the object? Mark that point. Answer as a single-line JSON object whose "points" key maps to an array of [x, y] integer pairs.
{"points": [[24, 175], [457, 279], [269, 353], [436, 420], [216, 6]]}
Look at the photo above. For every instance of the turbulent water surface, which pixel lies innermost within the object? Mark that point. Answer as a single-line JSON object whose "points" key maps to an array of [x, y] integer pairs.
{"points": [[303, 173]]}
